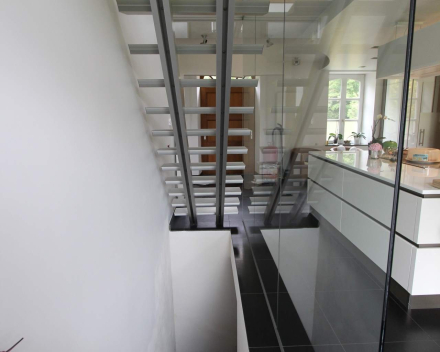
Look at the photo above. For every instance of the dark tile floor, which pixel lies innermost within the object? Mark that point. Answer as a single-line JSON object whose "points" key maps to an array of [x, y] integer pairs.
{"points": [[329, 303]]}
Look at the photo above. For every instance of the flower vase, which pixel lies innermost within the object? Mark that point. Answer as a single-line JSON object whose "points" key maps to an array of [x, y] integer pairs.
{"points": [[357, 141], [374, 154]]}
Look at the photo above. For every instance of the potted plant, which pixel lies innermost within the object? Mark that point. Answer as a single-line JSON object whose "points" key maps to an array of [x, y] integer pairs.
{"points": [[374, 149], [357, 137], [377, 121], [335, 137]]}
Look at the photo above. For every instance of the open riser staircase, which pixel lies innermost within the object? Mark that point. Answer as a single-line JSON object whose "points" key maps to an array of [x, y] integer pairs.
{"points": [[191, 194]]}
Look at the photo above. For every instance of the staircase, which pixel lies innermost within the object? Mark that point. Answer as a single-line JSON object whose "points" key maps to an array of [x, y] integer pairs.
{"points": [[194, 195]]}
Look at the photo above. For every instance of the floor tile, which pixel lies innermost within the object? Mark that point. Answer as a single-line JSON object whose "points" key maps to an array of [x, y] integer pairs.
{"points": [[342, 273], [248, 279], [400, 326], [326, 348], [407, 346], [303, 326], [259, 327], [242, 249], [266, 349], [429, 320], [269, 274], [259, 247], [356, 317]]}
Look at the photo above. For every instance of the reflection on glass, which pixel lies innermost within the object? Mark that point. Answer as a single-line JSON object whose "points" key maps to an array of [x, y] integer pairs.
{"points": [[353, 88], [334, 88], [352, 109], [333, 110], [328, 69]]}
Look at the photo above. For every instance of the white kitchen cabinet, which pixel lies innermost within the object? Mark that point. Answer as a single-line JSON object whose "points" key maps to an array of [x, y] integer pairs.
{"points": [[376, 200], [362, 213], [326, 174], [426, 279], [325, 204], [428, 224], [402, 262], [373, 240], [370, 237], [370, 196]]}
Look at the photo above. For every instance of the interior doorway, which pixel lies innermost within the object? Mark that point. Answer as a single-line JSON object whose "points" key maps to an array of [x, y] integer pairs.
{"points": [[207, 99]]}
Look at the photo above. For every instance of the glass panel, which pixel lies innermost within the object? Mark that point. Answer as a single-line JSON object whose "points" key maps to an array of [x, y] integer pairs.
{"points": [[422, 132], [333, 110], [320, 247], [350, 127], [333, 127], [334, 88], [353, 88], [352, 109]]}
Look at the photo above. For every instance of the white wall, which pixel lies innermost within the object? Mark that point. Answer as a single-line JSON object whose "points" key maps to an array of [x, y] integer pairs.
{"points": [[84, 255], [205, 302]]}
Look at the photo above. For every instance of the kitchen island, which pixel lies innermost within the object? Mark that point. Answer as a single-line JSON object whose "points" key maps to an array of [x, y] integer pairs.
{"points": [[355, 195]]}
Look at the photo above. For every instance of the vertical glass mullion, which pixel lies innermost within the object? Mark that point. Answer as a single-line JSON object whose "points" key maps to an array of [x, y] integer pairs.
{"points": [[342, 108]]}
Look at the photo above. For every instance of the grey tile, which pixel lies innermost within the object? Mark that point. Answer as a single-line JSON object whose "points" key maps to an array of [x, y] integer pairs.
{"points": [[429, 320], [356, 317], [406, 346], [259, 326], [248, 279], [325, 348], [342, 273], [302, 325]]}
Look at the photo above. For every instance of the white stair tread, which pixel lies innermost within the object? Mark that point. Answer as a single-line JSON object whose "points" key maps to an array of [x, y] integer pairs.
{"points": [[200, 110], [154, 83], [204, 180], [196, 49], [206, 211], [267, 190], [203, 132], [205, 192], [203, 166], [260, 179], [205, 202], [194, 7], [290, 200], [202, 151], [260, 209]]}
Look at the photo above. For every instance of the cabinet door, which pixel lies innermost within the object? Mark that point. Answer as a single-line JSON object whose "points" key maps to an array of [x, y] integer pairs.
{"points": [[370, 237], [376, 199], [326, 174], [373, 240], [368, 195], [402, 262], [325, 204], [429, 223]]}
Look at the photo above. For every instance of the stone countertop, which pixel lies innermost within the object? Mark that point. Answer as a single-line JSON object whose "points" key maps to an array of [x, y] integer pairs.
{"points": [[414, 178]]}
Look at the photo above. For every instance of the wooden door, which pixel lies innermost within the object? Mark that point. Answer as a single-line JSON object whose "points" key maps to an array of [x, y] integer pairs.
{"points": [[207, 98]]}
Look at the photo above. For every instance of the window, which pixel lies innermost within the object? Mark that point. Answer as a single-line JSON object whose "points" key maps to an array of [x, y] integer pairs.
{"points": [[393, 103], [345, 97]]}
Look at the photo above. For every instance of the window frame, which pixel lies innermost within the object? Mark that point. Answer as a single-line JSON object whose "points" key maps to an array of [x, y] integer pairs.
{"points": [[343, 100]]}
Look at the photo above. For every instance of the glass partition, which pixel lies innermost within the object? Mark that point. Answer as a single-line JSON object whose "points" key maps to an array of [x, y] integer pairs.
{"points": [[317, 205], [318, 172]]}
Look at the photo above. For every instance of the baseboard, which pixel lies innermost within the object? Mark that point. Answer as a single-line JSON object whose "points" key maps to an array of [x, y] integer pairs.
{"points": [[424, 301]]}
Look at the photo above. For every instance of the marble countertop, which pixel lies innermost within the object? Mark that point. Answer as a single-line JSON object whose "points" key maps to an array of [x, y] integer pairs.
{"points": [[414, 178]]}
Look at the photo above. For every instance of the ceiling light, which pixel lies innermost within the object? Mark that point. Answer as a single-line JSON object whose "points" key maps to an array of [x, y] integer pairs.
{"points": [[375, 47], [362, 66], [374, 58], [279, 7]]}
